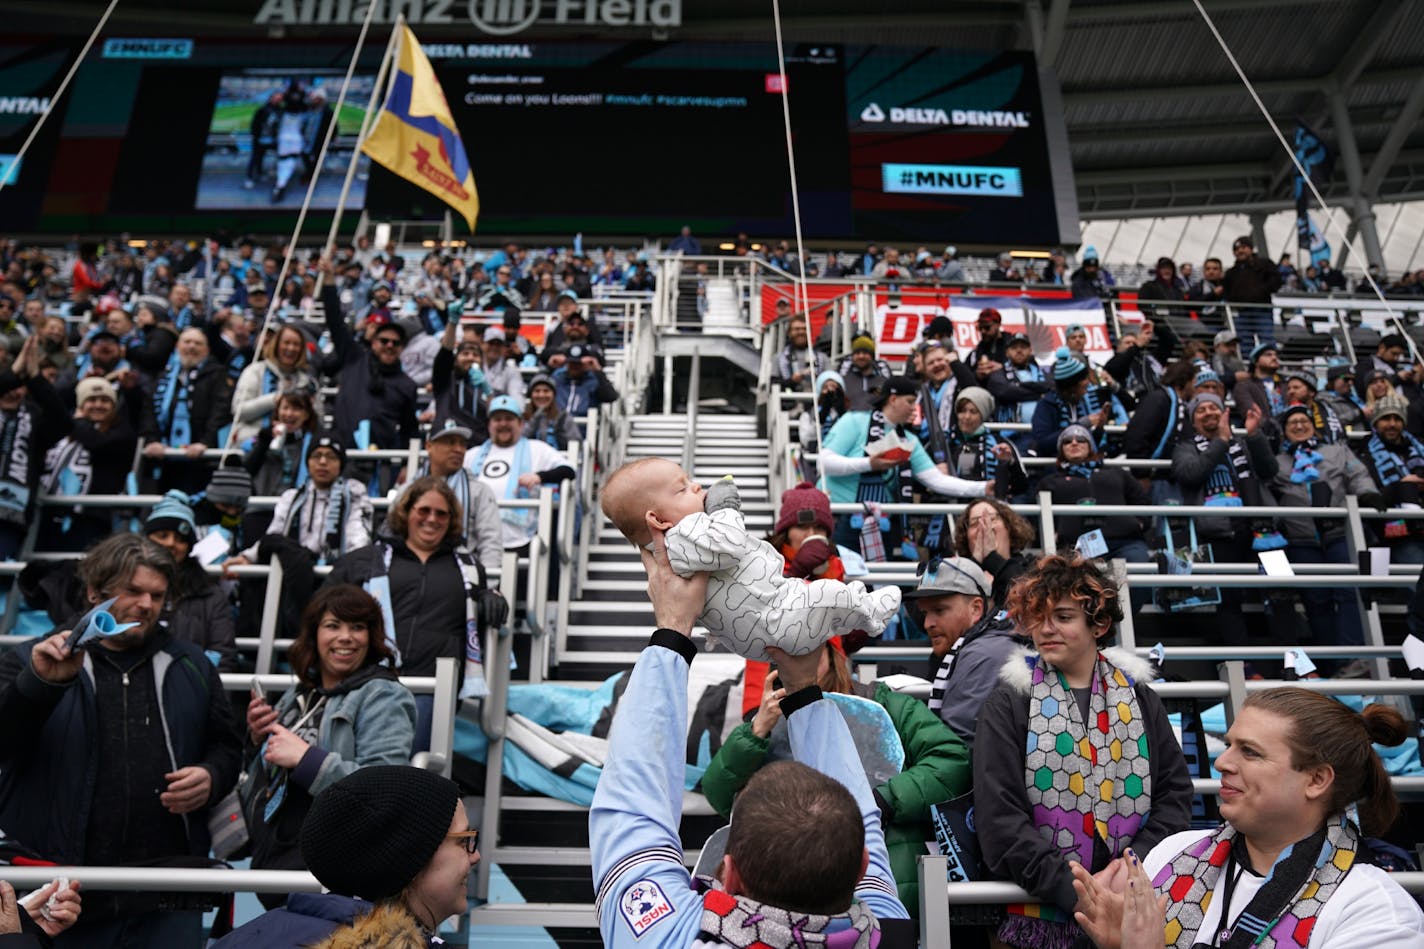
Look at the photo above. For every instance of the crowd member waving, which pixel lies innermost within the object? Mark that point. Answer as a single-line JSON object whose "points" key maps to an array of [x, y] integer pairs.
{"points": [[375, 400]]}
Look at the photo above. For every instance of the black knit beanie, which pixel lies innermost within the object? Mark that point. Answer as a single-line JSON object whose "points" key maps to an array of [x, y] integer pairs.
{"points": [[372, 832]]}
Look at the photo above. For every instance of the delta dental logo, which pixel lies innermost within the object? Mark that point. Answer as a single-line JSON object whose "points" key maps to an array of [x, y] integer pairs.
{"points": [[970, 118]]}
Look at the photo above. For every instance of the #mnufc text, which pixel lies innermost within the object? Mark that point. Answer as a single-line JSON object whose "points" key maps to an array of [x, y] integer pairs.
{"points": [[501, 17]]}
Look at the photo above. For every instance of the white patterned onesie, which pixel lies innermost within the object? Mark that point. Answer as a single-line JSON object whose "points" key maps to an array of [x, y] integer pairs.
{"points": [[751, 605]]}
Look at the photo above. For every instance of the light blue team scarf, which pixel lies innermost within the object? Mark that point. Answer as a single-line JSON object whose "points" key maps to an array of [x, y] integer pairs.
{"points": [[174, 421], [379, 587]]}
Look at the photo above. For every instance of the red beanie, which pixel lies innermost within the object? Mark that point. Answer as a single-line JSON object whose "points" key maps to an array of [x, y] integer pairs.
{"points": [[805, 497]]}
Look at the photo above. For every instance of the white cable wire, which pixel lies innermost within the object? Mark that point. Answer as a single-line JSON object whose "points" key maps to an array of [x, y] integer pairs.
{"points": [[276, 297], [803, 304], [58, 94], [1330, 223]]}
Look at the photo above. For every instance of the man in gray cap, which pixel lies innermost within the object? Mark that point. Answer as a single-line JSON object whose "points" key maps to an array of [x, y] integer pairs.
{"points": [[445, 449], [969, 641]]}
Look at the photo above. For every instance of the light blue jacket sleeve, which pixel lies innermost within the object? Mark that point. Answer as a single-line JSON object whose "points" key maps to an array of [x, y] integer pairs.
{"points": [[821, 740], [643, 888]]}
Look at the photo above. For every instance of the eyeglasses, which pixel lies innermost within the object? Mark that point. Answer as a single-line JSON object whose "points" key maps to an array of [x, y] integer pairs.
{"points": [[387, 341], [433, 513], [1076, 440], [931, 567], [469, 839], [501, 273]]}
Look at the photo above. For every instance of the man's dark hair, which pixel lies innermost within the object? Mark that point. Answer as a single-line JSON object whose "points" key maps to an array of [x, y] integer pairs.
{"points": [[797, 839], [112, 562]]}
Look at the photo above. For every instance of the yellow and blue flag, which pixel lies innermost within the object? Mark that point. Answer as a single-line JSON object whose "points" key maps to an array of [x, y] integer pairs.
{"points": [[415, 135]]}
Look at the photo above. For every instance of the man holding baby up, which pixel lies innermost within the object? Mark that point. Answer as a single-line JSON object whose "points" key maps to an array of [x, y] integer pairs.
{"points": [[806, 854]]}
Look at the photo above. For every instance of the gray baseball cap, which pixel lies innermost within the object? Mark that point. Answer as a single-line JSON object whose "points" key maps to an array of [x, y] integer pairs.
{"points": [[942, 576]]}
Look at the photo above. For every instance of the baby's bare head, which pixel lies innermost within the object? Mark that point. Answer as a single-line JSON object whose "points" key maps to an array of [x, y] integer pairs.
{"points": [[648, 493]]}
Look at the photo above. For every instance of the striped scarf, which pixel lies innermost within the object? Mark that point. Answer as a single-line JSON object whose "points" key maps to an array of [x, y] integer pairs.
{"points": [[1283, 912], [1389, 468]]}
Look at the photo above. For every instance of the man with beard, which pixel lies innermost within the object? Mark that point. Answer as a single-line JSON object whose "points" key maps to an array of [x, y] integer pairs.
{"points": [[969, 641], [1264, 388], [112, 754], [515, 467], [191, 403]]}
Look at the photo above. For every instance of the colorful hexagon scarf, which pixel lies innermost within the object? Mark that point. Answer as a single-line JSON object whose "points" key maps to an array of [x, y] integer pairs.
{"points": [[1284, 910], [1085, 780]]}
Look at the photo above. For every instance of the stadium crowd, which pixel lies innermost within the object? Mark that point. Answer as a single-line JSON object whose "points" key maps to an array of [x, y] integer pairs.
{"points": [[152, 374]]}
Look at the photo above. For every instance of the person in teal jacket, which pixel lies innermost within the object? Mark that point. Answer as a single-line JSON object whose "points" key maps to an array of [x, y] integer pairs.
{"points": [[936, 768], [347, 711]]}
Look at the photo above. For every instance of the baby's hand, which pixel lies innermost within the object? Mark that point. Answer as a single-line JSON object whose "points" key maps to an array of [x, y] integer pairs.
{"points": [[722, 496]]}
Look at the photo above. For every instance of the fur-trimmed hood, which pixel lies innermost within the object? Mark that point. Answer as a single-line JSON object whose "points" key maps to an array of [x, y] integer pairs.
{"points": [[1015, 671], [388, 926]]}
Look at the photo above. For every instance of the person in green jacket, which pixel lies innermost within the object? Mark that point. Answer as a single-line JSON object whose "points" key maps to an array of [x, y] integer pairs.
{"points": [[936, 765]]}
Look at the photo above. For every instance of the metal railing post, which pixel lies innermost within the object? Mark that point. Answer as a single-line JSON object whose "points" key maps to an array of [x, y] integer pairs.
{"points": [[412, 465], [934, 908], [1127, 633], [13, 597], [442, 728], [1370, 622], [271, 611], [1233, 673], [1049, 532], [694, 393]]}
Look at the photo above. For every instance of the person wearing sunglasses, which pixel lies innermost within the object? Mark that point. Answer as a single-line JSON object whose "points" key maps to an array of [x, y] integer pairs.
{"points": [[394, 847], [1081, 478], [346, 711], [1075, 759], [434, 595]]}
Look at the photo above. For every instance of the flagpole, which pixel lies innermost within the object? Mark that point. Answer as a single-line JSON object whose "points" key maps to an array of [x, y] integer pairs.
{"points": [[12, 169], [366, 122]]}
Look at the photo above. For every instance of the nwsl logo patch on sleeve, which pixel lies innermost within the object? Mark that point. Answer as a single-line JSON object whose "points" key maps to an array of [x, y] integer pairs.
{"points": [[643, 905]]}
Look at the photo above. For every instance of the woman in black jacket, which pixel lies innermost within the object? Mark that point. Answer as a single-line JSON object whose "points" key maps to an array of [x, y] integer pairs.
{"points": [[1082, 478], [432, 590]]}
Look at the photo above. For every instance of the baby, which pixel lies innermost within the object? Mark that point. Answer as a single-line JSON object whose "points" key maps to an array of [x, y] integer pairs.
{"points": [[750, 604]]}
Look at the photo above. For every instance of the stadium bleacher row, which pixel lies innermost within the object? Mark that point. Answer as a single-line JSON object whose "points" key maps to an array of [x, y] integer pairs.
{"points": [[589, 625]]}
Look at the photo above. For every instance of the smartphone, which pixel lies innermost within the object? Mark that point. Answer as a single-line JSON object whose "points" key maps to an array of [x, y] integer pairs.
{"points": [[258, 692]]}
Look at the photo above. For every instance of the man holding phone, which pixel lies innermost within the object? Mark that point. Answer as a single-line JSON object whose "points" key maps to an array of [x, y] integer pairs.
{"points": [[112, 753]]}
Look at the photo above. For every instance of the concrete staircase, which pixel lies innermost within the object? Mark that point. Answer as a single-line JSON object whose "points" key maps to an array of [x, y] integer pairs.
{"points": [[611, 620]]}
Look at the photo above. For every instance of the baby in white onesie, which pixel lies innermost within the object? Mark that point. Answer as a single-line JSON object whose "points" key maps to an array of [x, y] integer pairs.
{"points": [[750, 603]]}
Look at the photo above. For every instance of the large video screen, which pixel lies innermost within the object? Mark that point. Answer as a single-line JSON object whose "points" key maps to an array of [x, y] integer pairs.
{"points": [[605, 137], [266, 135]]}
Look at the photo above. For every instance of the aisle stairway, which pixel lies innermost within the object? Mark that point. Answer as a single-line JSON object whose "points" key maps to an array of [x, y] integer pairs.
{"points": [[611, 620]]}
